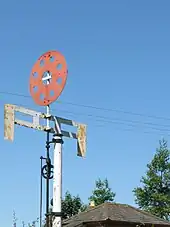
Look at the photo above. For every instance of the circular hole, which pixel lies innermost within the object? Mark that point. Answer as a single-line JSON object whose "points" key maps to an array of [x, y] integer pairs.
{"points": [[42, 63], [59, 66], [46, 77], [59, 80], [35, 74], [51, 59], [35, 89], [42, 96], [51, 93]]}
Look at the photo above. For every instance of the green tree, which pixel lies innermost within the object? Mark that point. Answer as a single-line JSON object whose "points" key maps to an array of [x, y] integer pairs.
{"points": [[71, 205], [102, 192], [154, 195]]}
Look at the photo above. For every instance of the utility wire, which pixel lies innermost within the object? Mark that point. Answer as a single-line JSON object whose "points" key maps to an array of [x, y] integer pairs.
{"points": [[93, 107], [133, 129], [158, 130], [115, 110], [125, 124], [112, 119], [105, 120]]}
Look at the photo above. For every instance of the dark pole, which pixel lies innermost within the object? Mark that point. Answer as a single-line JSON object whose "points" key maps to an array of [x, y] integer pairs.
{"points": [[47, 173], [41, 178]]}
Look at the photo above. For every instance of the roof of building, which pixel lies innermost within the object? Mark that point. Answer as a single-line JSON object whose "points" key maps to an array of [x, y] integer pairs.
{"points": [[115, 212]]}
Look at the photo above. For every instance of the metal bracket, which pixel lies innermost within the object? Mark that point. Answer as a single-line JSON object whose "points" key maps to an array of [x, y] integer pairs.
{"points": [[57, 214], [10, 121]]}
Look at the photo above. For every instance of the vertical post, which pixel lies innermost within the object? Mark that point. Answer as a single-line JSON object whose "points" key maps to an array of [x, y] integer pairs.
{"points": [[48, 161], [41, 178], [57, 180], [47, 180]]}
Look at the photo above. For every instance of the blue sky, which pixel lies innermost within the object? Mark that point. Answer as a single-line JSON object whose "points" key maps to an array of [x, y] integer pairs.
{"points": [[118, 58]]}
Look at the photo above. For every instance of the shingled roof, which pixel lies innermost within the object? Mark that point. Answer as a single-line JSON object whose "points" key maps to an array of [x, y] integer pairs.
{"points": [[116, 213]]}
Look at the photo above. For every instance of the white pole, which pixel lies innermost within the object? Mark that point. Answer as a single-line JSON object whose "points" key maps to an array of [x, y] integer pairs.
{"points": [[47, 79], [57, 181]]}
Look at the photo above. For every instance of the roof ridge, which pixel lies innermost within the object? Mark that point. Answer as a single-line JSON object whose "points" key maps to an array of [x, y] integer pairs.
{"points": [[148, 213], [115, 203], [105, 207], [89, 209], [138, 210]]}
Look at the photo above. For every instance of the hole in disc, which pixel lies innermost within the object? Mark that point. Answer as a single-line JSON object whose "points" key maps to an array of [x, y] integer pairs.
{"points": [[51, 93], [35, 74], [46, 77], [35, 89], [42, 96], [42, 63], [59, 80], [51, 59], [59, 66]]}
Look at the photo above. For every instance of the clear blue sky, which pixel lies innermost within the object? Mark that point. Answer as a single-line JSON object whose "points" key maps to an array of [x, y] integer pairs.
{"points": [[118, 57]]}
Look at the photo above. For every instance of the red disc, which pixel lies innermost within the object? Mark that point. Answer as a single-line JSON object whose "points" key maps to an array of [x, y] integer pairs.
{"points": [[48, 78]]}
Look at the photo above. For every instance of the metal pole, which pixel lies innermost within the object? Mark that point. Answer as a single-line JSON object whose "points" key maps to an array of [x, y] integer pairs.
{"points": [[48, 160], [47, 181], [41, 178], [57, 180]]}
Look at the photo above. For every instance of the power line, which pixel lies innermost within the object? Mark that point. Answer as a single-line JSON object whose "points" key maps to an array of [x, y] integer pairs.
{"points": [[132, 130], [114, 119], [106, 119], [115, 110], [126, 129], [14, 94], [116, 123], [94, 107]]}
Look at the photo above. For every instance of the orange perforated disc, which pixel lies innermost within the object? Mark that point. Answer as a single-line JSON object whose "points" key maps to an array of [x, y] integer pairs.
{"points": [[48, 78]]}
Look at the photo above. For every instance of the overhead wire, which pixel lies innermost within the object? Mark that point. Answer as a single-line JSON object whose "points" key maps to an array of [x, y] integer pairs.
{"points": [[93, 107], [113, 119], [158, 132], [124, 124], [115, 110], [104, 120]]}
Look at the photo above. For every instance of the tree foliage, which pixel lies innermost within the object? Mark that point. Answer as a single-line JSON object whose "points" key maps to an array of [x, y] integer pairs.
{"points": [[154, 195], [102, 192], [71, 205]]}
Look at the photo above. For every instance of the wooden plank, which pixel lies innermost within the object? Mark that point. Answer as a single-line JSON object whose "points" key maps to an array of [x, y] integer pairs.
{"points": [[9, 122], [81, 140]]}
